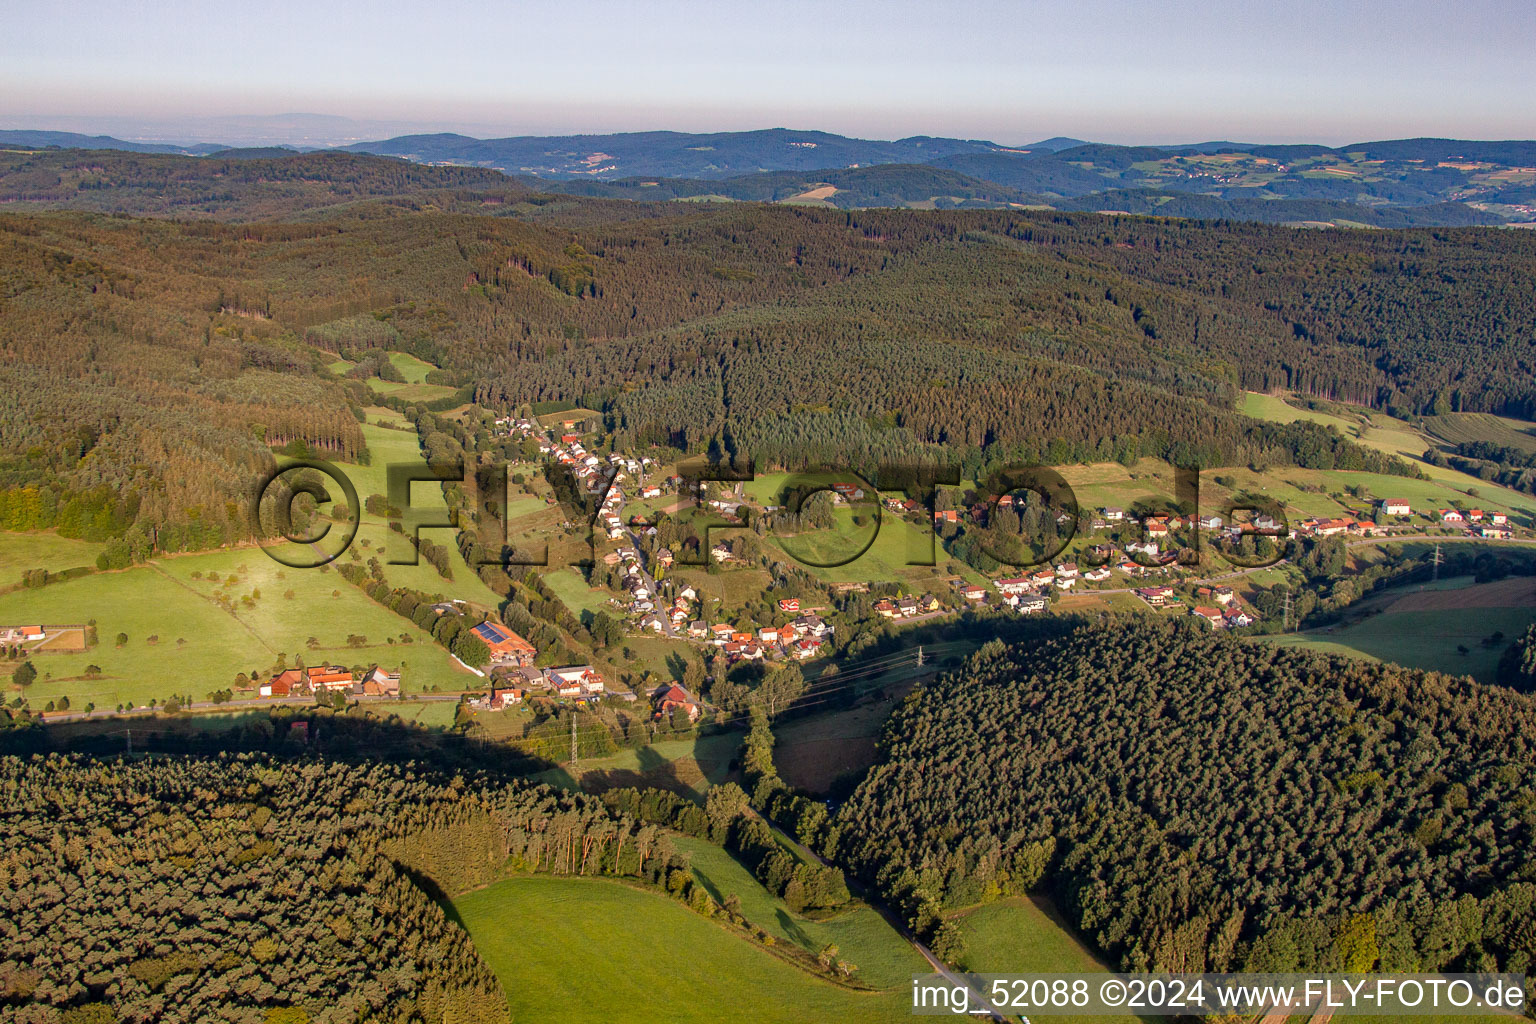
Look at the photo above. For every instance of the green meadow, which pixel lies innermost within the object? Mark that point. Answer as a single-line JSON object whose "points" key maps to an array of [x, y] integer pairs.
{"points": [[580, 598], [1427, 639], [894, 549], [201, 646], [20, 552], [388, 445], [590, 950], [1461, 427], [1385, 433]]}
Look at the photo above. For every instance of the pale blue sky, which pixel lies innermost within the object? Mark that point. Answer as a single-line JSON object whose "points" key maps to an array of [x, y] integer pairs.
{"points": [[1115, 70]]}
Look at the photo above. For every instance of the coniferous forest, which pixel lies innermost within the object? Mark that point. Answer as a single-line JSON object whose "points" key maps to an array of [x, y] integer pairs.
{"points": [[251, 887], [1207, 804]]}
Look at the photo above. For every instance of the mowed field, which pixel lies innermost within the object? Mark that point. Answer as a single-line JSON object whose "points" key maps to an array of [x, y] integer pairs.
{"points": [[1425, 629], [393, 444], [688, 766], [1463, 427], [590, 950], [892, 549], [1301, 492]]}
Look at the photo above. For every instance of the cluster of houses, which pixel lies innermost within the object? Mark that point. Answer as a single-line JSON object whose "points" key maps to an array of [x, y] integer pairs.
{"points": [[1223, 611], [907, 607], [802, 637], [312, 679], [640, 589], [513, 685], [1491, 525], [1334, 526]]}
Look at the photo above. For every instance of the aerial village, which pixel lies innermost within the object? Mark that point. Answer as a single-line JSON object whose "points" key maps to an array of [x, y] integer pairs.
{"points": [[1132, 554]]}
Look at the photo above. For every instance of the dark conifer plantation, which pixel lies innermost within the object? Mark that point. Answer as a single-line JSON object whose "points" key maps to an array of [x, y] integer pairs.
{"points": [[1212, 804]]}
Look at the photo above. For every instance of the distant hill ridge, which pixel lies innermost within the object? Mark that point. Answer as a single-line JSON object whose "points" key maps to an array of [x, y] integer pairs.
{"points": [[1393, 183]]}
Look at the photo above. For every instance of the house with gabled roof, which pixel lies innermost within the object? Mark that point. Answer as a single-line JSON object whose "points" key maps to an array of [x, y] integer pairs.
{"points": [[283, 684], [380, 682], [673, 696], [328, 677], [1212, 616]]}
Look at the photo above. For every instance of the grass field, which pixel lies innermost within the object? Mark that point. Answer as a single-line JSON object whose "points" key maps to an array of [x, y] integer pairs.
{"points": [[42, 550], [415, 388], [164, 599], [581, 599], [1278, 410], [1424, 628], [1385, 433], [884, 553], [579, 950], [202, 646], [1303, 492], [1022, 935], [388, 446]]}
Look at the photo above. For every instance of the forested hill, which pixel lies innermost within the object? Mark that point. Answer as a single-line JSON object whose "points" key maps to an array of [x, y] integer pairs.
{"points": [[1212, 804], [675, 154], [795, 336], [1305, 212], [234, 185], [271, 887], [228, 184]]}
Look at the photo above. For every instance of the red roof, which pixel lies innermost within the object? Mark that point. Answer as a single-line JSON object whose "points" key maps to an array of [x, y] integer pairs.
{"points": [[500, 639]]}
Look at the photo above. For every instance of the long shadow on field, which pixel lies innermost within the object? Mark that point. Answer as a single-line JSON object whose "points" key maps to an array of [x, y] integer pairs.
{"points": [[295, 732]]}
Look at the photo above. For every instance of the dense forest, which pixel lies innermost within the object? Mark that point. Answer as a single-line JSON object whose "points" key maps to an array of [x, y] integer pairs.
{"points": [[1517, 667], [248, 887], [155, 364], [1213, 804]]}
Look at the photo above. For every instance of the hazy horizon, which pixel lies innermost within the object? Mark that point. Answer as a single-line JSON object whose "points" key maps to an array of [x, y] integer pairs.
{"points": [[1106, 70], [308, 130]]}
